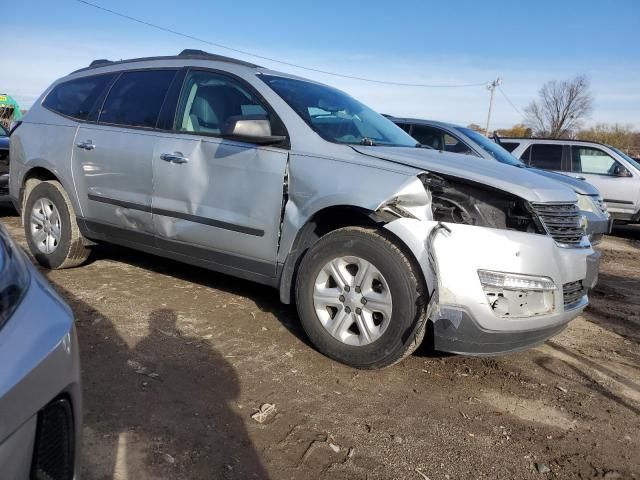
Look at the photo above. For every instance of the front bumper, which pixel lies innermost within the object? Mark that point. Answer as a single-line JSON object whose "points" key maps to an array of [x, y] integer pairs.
{"points": [[463, 319], [463, 335], [40, 362]]}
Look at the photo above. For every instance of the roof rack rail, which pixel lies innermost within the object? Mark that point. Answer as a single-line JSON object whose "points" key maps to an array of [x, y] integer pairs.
{"points": [[100, 61], [191, 52], [188, 53]]}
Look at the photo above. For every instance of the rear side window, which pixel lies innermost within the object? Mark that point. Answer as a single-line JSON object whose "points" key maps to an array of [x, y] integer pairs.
{"points": [[508, 146], [76, 98], [546, 157], [136, 98]]}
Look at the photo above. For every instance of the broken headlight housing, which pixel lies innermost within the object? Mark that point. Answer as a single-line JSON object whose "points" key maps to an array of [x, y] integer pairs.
{"points": [[513, 295], [14, 277]]}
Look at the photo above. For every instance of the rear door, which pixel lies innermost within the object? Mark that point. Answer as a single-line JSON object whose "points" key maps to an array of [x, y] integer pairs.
{"points": [[216, 199], [112, 158], [607, 175]]}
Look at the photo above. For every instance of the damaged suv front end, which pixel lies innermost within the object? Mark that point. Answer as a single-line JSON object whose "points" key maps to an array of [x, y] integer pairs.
{"points": [[503, 252], [507, 271]]}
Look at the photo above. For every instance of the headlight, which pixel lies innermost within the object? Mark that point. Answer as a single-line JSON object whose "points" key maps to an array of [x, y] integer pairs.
{"points": [[516, 296], [586, 203], [14, 277]]}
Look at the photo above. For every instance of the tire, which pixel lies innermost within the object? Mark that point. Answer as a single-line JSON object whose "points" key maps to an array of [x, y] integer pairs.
{"points": [[63, 245], [384, 328]]}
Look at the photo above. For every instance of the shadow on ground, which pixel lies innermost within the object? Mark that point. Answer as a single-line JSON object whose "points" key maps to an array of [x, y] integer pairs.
{"points": [[184, 433]]}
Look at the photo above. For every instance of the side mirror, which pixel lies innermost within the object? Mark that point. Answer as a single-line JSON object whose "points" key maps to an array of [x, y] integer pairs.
{"points": [[620, 171], [250, 128]]}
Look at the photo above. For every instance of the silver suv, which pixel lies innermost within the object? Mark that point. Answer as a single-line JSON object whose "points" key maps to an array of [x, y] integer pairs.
{"points": [[290, 183], [614, 173]]}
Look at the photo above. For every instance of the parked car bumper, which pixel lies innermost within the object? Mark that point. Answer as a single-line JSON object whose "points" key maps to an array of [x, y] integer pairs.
{"points": [[40, 396], [463, 318], [4, 188], [598, 226]]}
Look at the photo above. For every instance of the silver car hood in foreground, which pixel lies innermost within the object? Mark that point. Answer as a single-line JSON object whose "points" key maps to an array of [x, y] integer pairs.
{"points": [[521, 182]]}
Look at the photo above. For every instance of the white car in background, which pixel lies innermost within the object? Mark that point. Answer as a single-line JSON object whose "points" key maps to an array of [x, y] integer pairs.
{"points": [[610, 170]]}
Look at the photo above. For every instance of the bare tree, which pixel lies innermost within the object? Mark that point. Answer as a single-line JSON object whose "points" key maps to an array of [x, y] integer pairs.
{"points": [[561, 107]]}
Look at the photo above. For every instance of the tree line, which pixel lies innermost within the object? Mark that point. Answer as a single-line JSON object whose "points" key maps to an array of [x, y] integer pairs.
{"points": [[560, 111]]}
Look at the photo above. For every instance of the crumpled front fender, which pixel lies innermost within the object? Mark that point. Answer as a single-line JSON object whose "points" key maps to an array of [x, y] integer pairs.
{"points": [[459, 251]]}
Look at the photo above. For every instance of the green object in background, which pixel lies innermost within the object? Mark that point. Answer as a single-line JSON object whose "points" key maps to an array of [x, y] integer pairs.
{"points": [[9, 108]]}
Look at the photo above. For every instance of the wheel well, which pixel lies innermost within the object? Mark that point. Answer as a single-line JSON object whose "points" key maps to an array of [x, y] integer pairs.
{"points": [[321, 223], [40, 174]]}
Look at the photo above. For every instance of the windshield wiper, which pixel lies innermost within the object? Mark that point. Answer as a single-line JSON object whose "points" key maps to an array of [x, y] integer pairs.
{"points": [[367, 142]]}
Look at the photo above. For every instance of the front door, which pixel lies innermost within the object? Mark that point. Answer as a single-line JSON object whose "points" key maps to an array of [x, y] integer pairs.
{"points": [[217, 199], [606, 174]]}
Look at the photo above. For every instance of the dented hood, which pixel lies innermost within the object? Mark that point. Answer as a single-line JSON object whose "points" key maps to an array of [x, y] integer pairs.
{"points": [[521, 182]]}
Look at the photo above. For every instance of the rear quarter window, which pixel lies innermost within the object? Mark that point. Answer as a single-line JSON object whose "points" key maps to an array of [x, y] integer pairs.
{"points": [[76, 98]]}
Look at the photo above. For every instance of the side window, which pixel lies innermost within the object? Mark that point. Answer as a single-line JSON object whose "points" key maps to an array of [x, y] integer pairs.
{"points": [[592, 160], [209, 100], [136, 98], [404, 126], [546, 157], [509, 146], [429, 136], [76, 98], [452, 144], [526, 156]]}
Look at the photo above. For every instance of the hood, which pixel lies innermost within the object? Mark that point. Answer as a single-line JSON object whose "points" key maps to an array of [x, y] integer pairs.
{"points": [[522, 182], [578, 186]]}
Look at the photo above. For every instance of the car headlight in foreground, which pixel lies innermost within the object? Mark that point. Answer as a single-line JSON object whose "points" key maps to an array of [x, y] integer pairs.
{"points": [[14, 277], [516, 296]]}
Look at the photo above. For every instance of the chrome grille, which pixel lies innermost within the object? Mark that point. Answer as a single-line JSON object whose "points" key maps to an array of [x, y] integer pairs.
{"points": [[572, 292], [562, 221]]}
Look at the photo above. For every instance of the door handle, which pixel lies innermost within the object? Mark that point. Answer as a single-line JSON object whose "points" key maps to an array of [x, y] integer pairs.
{"points": [[175, 157], [87, 145]]}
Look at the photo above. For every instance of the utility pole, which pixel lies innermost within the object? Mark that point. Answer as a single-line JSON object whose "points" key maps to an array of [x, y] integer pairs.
{"points": [[491, 87]]}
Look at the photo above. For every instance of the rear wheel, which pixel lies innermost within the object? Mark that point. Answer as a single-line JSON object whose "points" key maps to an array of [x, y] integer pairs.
{"points": [[360, 298], [51, 229]]}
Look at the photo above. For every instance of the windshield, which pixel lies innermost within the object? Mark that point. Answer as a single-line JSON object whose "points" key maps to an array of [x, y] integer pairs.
{"points": [[633, 162], [3, 131], [336, 116], [491, 147]]}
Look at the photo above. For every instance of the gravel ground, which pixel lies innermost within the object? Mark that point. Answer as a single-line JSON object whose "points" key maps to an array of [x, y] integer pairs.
{"points": [[176, 360]]}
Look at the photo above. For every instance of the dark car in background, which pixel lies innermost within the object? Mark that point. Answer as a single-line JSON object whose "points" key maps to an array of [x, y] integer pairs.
{"points": [[453, 138], [4, 164]]}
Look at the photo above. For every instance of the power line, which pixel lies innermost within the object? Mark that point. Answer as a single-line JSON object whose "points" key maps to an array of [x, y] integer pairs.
{"points": [[282, 62], [510, 102]]}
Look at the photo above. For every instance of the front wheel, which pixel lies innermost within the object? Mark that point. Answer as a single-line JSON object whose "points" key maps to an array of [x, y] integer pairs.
{"points": [[361, 299]]}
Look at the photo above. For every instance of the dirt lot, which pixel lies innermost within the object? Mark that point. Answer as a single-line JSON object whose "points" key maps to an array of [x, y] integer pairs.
{"points": [[176, 359]]}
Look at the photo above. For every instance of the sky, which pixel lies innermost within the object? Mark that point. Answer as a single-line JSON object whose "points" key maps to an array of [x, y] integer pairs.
{"points": [[413, 41]]}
